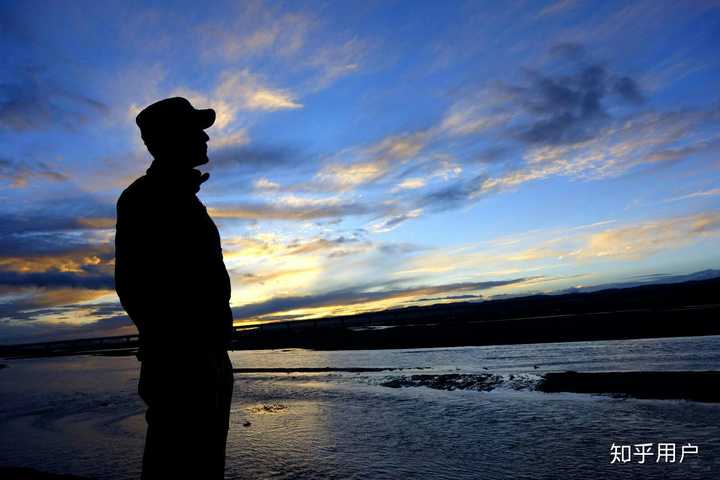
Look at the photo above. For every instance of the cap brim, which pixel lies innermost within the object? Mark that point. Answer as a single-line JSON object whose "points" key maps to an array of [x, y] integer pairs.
{"points": [[205, 117]]}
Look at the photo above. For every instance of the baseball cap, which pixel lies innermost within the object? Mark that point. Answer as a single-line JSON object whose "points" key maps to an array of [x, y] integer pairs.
{"points": [[170, 114]]}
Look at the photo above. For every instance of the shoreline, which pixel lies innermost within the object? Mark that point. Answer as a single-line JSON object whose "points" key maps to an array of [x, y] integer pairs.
{"points": [[340, 346]]}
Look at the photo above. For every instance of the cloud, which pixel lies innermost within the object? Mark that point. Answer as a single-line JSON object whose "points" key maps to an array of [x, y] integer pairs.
{"points": [[649, 237], [700, 194], [272, 245], [27, 303], [255, 158], [78, 258], [574, 246], [262, 278], [370, 163], [354, 295], [568, 108], [394, 221], [266, 211], [298, 42], [54, 277], [239, 90], [399, 248], [229, 139], [410, 184], [574, 117], [350, 176], [35, 299], [54, 232], [265, 99], [51, 257], [34, 102], [642, 139], [449, 297], [558, 7], [323, 244], [263, 184], [19, 173], [475, 114], [455, 195], [558, 118], [333, 61], [669, 154], [254, 29], [628, 89], [100, 320]]}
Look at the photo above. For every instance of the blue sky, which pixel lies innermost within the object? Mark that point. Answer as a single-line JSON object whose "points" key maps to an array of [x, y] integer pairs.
{"points": [[366, 155]]}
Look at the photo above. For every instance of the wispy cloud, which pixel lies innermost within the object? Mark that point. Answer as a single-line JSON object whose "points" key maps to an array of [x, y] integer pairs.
{"points": [[331, 62], [267, 211], [33, 101], [358, 166], [699, 194], [395, 220], [66, 321], [254, 29], [572, 246], [238, 90], [19, 174], [650, 237], [357, 295], [558, 7]]}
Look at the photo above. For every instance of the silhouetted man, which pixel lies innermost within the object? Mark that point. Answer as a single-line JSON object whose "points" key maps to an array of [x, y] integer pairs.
{"points": [[171, 280]]}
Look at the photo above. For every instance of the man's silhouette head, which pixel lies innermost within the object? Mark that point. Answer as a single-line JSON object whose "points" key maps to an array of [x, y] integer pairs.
{"points": [[173, 131]]}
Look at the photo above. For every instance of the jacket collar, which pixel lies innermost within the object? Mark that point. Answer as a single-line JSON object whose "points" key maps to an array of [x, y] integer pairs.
{"points": [[188, 179]]}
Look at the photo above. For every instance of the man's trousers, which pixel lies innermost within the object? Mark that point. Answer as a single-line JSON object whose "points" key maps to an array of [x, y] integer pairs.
{"points": [[188, 399]]}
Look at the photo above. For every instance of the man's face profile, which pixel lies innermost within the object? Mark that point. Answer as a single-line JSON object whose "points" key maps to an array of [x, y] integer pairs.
{"points": [[184, 146], [174, 132], [192, 146]]}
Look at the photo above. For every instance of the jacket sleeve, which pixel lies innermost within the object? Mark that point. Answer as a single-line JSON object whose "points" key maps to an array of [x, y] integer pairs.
{"points": [[132, 268]]}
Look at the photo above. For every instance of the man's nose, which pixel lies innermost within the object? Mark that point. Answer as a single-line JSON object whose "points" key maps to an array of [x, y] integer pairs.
{"points": [[205, 136]]}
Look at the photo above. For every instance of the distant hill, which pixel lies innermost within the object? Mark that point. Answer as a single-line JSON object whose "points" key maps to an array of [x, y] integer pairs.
{"points": [[688, 308], [611, 297], [651, 310], [652, 279]]}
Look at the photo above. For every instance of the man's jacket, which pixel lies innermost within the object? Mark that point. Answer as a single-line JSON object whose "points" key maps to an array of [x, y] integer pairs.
{"points": [[169, 269]]}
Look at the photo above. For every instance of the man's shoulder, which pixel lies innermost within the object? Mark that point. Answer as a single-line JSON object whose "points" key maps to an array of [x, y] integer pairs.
{"points": [[137, 193]]}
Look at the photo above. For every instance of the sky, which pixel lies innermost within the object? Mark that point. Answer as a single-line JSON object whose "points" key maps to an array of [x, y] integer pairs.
{"points": [[366, 154]]}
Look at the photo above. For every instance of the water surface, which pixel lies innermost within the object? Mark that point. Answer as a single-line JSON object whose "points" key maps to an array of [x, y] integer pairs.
{"points": [[82, 415]]}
